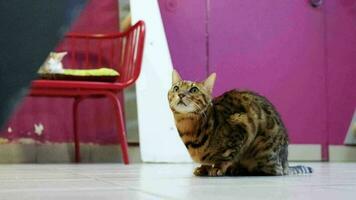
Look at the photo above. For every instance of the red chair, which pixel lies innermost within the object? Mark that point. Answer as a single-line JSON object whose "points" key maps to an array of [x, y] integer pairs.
{"points": [[120, 51]]}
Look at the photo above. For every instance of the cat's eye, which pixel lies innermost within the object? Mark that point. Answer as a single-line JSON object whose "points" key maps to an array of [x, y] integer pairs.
{"points": [[193, 90], [175, 88]]}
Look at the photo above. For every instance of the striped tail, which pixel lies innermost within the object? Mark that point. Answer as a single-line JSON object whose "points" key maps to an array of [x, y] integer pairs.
{"points": [[299, 169]]}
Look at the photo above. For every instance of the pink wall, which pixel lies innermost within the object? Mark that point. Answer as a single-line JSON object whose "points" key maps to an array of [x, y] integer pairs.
{"points": [[302, 58], [184, 23], [96, 122]]}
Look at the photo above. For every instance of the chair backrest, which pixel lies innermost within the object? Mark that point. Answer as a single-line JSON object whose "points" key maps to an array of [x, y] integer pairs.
{"points": [[120, 51]]}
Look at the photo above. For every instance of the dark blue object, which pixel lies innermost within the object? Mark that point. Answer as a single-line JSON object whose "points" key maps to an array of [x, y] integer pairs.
{"points": [[29, 31]]}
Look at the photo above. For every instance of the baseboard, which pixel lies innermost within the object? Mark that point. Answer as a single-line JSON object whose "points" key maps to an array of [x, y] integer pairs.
{"points": [[63, 153], [304, 152], [341, 153]]}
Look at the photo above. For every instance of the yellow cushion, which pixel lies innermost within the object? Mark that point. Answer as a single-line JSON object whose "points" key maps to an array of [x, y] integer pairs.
{"points": [[91, 72]]}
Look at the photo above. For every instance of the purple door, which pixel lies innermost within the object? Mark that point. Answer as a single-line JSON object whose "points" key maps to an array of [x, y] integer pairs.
{"points": [[341, 66], [277, 49]]}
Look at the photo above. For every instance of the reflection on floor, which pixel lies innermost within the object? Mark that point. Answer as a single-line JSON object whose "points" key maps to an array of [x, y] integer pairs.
{"points": [[168, 181]]}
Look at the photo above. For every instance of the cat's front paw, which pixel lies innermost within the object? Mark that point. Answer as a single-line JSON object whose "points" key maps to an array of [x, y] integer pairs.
{"points": [[208, 170], [202, 170], [215, 171]]}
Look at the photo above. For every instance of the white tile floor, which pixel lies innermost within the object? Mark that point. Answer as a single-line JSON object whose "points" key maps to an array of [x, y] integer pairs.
{"points": [[168, 181]]}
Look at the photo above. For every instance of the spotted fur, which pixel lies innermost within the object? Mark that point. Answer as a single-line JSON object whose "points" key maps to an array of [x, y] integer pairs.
{"points": [[237, 133]]}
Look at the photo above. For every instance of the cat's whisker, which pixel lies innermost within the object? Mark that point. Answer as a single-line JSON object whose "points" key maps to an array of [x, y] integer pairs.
{"points": [[199, 107]]}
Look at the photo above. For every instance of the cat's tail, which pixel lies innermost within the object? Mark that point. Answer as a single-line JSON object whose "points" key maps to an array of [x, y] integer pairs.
{"points": [[299, 169]]}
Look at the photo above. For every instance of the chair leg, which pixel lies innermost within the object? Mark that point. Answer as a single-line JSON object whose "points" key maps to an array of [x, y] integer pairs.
{"points": [[75, 129], [121, 127]]}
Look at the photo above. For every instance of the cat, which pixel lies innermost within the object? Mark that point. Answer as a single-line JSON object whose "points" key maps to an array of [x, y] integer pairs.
{"points": [[53, 63], [238, 133]]}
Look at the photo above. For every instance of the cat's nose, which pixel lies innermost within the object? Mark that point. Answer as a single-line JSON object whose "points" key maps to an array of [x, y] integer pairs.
{"points": [[181, 95]]}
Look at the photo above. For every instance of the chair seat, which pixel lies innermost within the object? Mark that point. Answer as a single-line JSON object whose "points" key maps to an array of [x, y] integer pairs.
{"points": [[67, 84]]}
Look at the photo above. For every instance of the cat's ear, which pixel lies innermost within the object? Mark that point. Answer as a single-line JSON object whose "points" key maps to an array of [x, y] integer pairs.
{"points": [[209, 82], [175, 77], [60, 55]]}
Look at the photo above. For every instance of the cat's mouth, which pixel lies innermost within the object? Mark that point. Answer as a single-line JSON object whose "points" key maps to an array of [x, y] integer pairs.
{"points": [[180, 102], [183, 107]]}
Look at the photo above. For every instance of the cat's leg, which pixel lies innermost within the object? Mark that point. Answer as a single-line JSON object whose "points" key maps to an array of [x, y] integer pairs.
{"points": [[272, 156], [241, 170], [203, 170], [268, 165], [243, 133], [269, 170]]}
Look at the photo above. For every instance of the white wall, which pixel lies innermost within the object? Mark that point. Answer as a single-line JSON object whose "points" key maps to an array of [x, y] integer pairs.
{"points": [[350, 138], [159, 139]]}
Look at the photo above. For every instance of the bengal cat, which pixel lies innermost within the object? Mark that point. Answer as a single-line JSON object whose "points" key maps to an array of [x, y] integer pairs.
{"points": [[238, 133]]}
